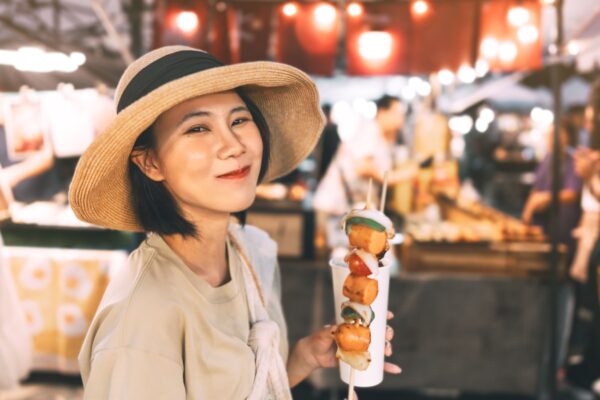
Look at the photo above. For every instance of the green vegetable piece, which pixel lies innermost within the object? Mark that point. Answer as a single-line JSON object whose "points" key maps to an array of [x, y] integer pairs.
{"points": [[364, 221], [349, 315]]}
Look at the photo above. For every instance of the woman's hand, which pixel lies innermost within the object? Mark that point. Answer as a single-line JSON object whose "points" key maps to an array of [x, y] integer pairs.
{"points": [[312, 352], [389, 335], [318, 351]]}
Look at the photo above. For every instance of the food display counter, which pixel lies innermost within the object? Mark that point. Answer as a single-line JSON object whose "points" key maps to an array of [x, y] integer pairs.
{"points": [[471, 237]]}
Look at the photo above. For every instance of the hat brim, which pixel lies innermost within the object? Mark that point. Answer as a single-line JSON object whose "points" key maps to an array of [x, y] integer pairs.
{"points": [[100, 191]]}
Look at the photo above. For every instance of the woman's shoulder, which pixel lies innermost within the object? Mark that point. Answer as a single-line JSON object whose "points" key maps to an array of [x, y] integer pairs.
{"points": [[137, 287], [134, 302], [255, 240], [128, 277]]}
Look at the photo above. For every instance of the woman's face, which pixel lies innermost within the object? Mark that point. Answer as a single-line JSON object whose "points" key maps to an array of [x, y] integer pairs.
{"points": [[208, 154]]}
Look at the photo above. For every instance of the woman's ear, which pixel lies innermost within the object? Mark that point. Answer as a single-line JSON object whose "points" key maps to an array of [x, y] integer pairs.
{"points": [[147, 163]]}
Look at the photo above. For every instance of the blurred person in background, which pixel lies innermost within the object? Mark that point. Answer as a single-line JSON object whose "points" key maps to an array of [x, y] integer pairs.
{"points": [[584, 360], [477, 162], [367, 155], [537, 207], [576, 115]]}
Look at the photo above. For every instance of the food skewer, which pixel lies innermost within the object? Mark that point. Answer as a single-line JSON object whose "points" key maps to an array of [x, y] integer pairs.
{"points": [[351, 383], [368, 202], [369, 231], [383, 191]]}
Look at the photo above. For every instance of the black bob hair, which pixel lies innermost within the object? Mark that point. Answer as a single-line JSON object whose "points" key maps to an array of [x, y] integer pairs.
{"points": [[386, 101], [156, 208]]}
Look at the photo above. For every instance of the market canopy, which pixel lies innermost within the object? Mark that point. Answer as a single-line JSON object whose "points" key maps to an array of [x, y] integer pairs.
{"points": [[365, 38], [362, 38]]}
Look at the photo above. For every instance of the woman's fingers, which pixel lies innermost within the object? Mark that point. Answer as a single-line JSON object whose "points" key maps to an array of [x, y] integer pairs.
{"points": [[330, 328], [390, 315], [389, 333], [391, 368], [388, 349]]}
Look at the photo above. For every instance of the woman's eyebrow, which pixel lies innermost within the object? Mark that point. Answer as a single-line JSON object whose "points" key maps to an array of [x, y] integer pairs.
{"points": [[192, 115], [201, 113], [239, 108]]}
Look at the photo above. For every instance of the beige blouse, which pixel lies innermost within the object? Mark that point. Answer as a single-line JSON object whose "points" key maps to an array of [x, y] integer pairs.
{"points": [[162, 332]]}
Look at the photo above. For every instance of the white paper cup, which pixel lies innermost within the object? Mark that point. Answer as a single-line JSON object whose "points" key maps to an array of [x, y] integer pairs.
{"points": [[374, 374]]}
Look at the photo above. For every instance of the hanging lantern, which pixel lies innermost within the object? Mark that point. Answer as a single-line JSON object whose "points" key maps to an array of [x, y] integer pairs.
{"points": [[317, 28], [290, 9], [511, 43], [420, 8], [187, 22], [375, 46], [355, 9]]}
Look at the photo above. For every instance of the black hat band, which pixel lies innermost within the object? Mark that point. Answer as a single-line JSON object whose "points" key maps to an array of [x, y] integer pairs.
{"points": [[164, 70]]}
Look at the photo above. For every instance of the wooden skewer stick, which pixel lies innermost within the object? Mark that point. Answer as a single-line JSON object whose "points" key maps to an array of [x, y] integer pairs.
{"points": [[351, 385], [384, 191], [368, 202]]}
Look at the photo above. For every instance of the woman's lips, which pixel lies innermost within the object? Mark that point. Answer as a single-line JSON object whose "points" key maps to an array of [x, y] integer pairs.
{"points": [[237, 174]]}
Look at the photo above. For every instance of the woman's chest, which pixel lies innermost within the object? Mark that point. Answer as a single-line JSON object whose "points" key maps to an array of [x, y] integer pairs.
{"points": [[218, 363]]}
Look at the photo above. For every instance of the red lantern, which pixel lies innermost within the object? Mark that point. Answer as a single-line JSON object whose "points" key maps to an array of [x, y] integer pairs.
{"points": [[444, 37], [510, 38], [376, 40], [308, 37], [179, 23], [317, 28]]}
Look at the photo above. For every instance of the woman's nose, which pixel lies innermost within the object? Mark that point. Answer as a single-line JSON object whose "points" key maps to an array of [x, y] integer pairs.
{"points": [[231, 146]]}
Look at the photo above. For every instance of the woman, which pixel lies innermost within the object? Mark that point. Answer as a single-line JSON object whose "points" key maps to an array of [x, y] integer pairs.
{"points": [[197, 312]]}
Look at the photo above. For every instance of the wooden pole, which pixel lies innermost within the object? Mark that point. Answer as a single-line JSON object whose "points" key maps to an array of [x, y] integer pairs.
{"points": [[555, 208]]}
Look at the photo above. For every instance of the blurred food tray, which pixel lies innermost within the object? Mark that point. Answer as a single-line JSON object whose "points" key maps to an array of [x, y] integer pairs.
{"points": [[518, 259]]}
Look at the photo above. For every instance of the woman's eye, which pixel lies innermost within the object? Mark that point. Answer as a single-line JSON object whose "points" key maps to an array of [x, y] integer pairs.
{"points": [[240, 121], [197, 129]]}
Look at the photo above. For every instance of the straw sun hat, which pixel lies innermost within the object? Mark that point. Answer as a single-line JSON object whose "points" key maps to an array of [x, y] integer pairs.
{"points": [[100, 192]]}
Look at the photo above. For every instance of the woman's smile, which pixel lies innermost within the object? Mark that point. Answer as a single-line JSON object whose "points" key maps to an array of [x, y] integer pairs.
{"points": [[238, 174]]}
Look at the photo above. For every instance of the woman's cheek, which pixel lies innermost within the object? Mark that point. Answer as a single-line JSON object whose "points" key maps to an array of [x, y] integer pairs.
{"points": [[197, 156], [185, 166], [255, 144]]}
